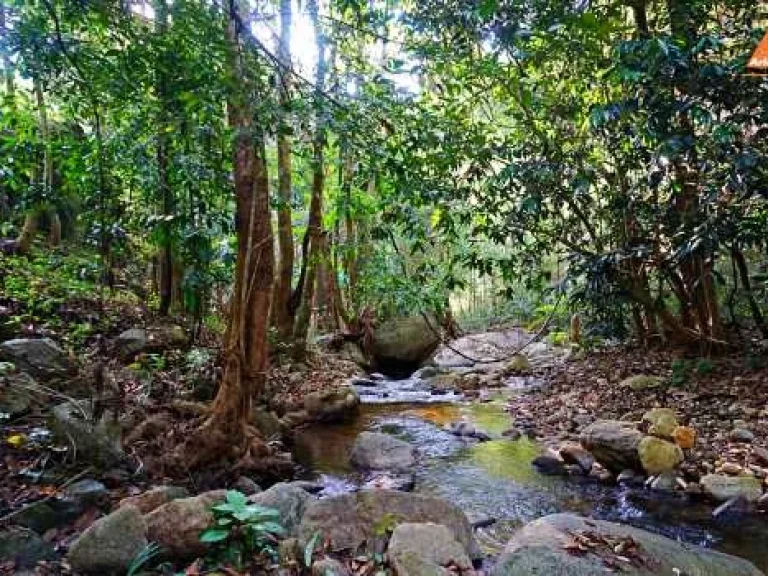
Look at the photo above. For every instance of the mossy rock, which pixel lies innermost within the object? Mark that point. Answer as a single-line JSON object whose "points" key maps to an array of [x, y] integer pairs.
{"points": [[641, 382]]}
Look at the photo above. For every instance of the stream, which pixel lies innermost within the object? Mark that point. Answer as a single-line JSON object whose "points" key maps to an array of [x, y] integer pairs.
{"points": [[495, 481]]}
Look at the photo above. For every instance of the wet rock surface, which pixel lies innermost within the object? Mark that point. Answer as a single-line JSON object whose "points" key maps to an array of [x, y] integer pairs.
{"points": [[545, 547]]}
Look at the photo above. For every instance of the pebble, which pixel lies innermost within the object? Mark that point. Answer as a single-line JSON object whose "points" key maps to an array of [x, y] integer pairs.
{"points": [[731, 468], [666, 482]]}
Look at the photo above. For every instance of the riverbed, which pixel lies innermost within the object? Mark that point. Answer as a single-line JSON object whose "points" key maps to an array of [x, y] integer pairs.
{"points": [[494, 481]]}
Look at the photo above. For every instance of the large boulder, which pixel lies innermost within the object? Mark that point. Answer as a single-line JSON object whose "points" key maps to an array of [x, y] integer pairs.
{"points": [[152, 499], [176, 526], [418, 549], [22, 548], [99, 442], [289, 500], [153, 339], [723, 488], [542, 548], [613, 443], [110, 544], [658, 456], [402, 344], [376, 451], [335, 405], [350, 520], [40, 357]]}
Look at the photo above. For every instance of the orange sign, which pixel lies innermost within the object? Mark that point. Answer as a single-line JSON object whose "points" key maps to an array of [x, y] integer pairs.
{"points": [[759, 62]]}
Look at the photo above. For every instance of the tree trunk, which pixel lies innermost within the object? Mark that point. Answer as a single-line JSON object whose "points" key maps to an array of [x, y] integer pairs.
{"points": [[226, 432], [741, 265], [315, 222], [6, 58], [283, 313], [165, 193]]}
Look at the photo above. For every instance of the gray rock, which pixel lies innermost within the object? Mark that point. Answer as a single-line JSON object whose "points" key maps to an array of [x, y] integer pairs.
{"points": [[572, 453], [329, 567], [464, 429], [549, 465], [336, 405], [540, 549], [424, 373], [153, 339], [629, 477], [152, 499], [52, 513], [350, 520], [17, 396], [24, 548], [376, 451], [742, 435], [110, 544], [613, 443], [666, 482], [246, 486], [176, 526], [87, 492], [431, 544], [289, 500], [402, 342], [722, 488], [41, 357], [309, 486], [98, 443]]}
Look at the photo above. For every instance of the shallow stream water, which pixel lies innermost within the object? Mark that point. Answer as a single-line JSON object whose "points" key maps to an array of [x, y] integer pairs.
{"points": [[495, 479]]}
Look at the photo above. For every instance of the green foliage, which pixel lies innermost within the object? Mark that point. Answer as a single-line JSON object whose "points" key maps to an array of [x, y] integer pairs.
{"points": [[242, 530], [681, 372], [309, 549], [704, 366]]}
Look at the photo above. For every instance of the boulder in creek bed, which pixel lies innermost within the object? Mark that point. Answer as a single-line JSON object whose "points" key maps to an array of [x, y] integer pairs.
{"points": [[334, 405], [613, 443], [40, 357], [722, 488], [152, 499], [658, 456], [176, 526], [377, 451], [572, 453], [662, 421], [540, 549], [350, 520], [549, 465], [110, 544], [419, 549], [402, 344], [289, 500]]}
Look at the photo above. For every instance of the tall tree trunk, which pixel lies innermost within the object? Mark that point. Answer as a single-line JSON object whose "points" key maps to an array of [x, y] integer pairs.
{"points": [[165, 193], [283, 313], [6, 58], [226, 431], [315, 222], [741, 265]]}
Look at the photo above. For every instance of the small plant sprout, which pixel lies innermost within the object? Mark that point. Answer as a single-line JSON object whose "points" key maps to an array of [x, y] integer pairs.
{"points": [[242, 530]]}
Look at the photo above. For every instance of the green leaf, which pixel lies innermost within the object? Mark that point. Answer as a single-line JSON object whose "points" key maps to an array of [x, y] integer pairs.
{"points": [[213, 535], [309, 549], [236, 499]]}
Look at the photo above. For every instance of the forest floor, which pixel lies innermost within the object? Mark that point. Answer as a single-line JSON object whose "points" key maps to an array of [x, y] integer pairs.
{"points": [[714, 396]]}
